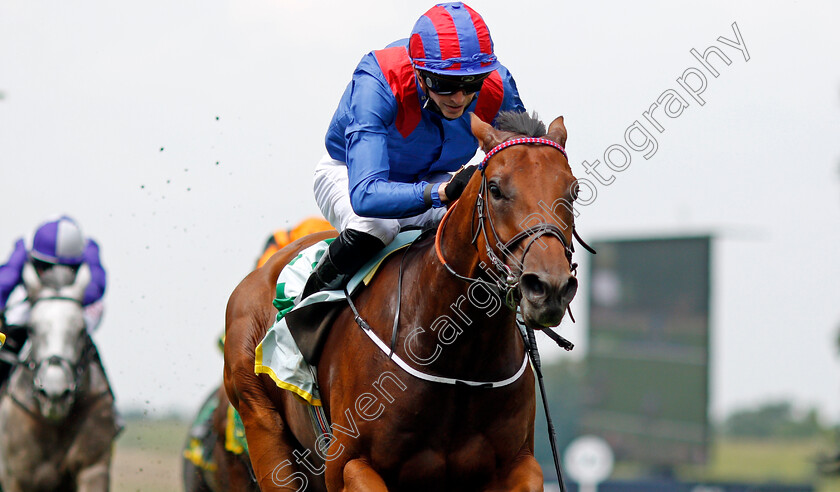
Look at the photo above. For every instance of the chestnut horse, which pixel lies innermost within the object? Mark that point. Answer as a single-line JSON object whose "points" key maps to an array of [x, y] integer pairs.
{"points": [[448, 403]]}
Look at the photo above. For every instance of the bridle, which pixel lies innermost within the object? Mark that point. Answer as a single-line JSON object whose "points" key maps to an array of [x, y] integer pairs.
{"points": [[505, 279]]}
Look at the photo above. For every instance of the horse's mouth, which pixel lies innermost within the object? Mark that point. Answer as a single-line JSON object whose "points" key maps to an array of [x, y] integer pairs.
{"points": [[540, 317], [55, 413], [545, 298], [54, 409]]}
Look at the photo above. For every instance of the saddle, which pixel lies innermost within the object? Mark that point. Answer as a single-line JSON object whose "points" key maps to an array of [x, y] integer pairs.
{"points": [[309, 322]]}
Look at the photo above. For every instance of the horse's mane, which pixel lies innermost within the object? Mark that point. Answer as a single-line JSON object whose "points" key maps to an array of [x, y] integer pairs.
{"points": [[521, 122]]}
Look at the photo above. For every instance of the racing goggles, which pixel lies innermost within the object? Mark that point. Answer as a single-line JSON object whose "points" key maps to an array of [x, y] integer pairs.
{"points": [[446, 85]]}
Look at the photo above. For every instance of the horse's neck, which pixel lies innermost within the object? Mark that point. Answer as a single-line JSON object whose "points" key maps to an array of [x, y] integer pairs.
{"points": [[96, 378], [21, 385], [21, 388], [465, 322]]}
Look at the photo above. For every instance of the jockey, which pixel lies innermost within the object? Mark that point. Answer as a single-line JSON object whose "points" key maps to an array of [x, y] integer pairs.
{"points": [[56, 243], [401, 127]]}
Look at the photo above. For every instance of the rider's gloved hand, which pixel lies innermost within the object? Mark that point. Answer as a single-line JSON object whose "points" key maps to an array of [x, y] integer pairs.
{"points": [[456, 185]]}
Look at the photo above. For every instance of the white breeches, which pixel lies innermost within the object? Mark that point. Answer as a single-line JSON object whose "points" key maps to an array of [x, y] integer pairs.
{"points": [[332, 193]]}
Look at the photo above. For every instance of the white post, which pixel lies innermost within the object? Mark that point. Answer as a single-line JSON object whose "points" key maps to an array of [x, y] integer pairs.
{"points": [[589, 461]]}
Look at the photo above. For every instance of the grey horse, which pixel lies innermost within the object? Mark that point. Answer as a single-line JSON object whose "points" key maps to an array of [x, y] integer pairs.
{"points": [[57, 416]]}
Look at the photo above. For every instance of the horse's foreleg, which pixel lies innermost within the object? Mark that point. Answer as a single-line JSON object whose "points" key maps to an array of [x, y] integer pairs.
{"points": [[360, 477], [269, 440], [271, 454], [239, 478], [95, 478], [525, 475]]}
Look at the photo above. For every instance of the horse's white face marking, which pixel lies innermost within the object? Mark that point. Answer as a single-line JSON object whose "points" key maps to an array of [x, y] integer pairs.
{"points": [[57, 327], [49, 451]]}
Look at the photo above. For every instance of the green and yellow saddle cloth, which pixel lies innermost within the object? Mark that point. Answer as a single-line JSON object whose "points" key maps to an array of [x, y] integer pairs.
{"points": [[278, 355]]}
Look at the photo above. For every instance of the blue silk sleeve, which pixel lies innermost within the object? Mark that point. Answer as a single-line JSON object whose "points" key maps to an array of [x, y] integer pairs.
{"points": [[96, 288], [373, 109], [10, 272]]}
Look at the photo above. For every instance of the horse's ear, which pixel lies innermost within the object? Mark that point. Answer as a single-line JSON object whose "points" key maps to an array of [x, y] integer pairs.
{"points": [[557, 131], [77, 289], [486, 134], [31, 281]]}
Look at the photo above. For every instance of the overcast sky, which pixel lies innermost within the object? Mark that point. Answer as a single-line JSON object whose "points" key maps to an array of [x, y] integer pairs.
{"points": [[181, 133]]}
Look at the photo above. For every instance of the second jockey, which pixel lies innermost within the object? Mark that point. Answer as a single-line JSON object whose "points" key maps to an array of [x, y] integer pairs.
{"points": [[56, 243]]}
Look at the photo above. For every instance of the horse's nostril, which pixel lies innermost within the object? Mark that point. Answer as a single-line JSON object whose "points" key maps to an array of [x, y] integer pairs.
{"points": [[570, 289], [532, 286], [536, 289]]}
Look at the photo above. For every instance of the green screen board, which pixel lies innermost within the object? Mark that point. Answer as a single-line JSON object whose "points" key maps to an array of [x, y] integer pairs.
{"points": [[646, 388]]}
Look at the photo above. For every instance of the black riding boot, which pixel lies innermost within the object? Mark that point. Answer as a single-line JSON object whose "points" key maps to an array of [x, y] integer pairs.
{"points": [[345, 255], [16, 337]]}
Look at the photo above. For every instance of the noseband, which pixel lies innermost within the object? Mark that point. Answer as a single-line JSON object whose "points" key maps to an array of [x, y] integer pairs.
{"points": [[56, 360], [75, 369], [505, 279]]}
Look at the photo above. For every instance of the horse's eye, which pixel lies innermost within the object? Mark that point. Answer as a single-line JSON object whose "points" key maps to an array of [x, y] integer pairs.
{"points": [[495, 192], [574, 189]]}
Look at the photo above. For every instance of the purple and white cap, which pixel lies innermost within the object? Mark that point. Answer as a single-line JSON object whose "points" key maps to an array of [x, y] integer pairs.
{"points": [[59, 241]]}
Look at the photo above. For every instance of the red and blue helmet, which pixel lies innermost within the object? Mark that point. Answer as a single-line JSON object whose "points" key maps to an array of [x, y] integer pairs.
{"points": [[59, 242], [452, 39]]}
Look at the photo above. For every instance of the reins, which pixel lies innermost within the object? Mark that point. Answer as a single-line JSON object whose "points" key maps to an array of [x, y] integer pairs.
{"points": [[506, 280], [76, 370], [389, 351], [422, 375]]}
